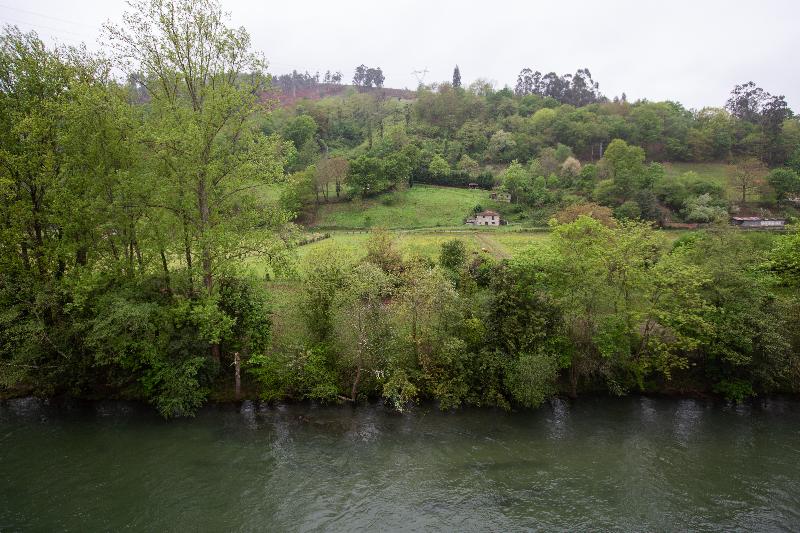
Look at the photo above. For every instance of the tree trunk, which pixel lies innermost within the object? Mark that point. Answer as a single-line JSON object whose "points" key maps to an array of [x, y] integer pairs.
{"points": [[573, 381], [81, 256], [237, 387], [26, 260], [354, 390], [208, 279], [187, 251], [205, 216], [166, 270]]}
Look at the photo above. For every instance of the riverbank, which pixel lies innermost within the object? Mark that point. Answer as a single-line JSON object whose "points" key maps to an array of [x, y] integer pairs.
{"points": [[253, 401]]}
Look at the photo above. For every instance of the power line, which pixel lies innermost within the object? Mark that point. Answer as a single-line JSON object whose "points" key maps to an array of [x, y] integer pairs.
{"points": [[36, 27], [35, 13], [60, 30]]}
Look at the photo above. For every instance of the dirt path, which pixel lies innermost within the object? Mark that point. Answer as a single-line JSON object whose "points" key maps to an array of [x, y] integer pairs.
{"points": [[494, 248]]}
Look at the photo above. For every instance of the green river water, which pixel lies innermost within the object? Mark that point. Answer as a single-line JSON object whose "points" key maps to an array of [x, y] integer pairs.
{"points": [[630, 464]]}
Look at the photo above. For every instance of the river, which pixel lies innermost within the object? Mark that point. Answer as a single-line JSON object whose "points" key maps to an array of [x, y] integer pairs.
{"points": [[630, 464]]}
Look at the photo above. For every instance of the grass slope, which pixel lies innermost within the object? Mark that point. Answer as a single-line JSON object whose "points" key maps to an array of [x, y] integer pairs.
{"points": [[422, 206], [720, 173], [499, 243]]}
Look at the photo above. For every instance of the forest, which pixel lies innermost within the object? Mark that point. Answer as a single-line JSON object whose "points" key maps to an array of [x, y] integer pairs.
{"points": [[163, 234]]}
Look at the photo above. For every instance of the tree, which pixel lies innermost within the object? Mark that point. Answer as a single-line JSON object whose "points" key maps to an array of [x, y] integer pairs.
{"points": [[578, 90], [784, 260], [438, 167], [629, 210], [54, 169], [501, 146], [374, 77], [203, 80], [468, 165], [429, 317], [748, 177], [626, 167], [514, 180], [300, 130], [572, 212], [756, 106], [456, 78], [703, 209], [786, 183], [365, 177], [452, 254], [362, 323], [745, 101], [367, 76], [571, 167], [325, 273], [397, 168], [332, 170], [360, 75]]}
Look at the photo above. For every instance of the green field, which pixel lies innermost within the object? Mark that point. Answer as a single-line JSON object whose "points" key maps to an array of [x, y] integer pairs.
{"points": [[427, 243], [720, 173], [422, 206], [425, 216], [427, 206]]}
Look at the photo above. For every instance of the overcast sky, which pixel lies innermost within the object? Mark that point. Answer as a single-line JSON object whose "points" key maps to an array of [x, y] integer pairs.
{"points": [[693, 51]]}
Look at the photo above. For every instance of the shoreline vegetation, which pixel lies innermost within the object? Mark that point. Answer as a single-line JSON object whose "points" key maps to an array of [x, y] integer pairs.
{"points": [[181, 235]]}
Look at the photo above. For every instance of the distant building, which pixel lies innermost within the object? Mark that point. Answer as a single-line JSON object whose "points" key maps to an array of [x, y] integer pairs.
{"points": [[501, 196], [487, 218], [758, 222]]}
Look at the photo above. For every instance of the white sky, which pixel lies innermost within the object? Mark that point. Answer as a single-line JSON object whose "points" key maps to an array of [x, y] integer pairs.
{"points": [[693, 51]]}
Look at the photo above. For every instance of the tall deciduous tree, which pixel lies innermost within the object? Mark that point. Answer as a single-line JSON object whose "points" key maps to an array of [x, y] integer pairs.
{"points": [[204, 83], [748, 177]]}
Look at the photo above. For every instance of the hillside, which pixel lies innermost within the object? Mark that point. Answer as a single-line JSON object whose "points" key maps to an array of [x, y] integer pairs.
{"points": [[421, 206], [289, 98]]}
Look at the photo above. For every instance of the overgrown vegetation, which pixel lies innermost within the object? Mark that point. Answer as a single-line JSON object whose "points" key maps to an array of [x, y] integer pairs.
{"points": [[618, 308], [135, 213]]}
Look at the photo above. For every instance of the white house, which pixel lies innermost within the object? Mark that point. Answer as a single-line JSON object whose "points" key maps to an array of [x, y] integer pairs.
{"points": [[758, 222], [487, 218]]}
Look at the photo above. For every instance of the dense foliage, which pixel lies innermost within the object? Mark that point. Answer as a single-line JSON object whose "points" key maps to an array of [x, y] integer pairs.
{"points": [[553, 142], [130, 211], [602, 307], [123, 223]]}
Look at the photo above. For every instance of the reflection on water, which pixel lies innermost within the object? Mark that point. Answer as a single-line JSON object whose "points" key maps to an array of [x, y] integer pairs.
{"points": [[687, 420], [595, 464]]}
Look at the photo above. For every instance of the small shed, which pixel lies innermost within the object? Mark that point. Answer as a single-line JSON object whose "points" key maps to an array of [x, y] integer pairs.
{"points": [[487, 218], [758, 222]]}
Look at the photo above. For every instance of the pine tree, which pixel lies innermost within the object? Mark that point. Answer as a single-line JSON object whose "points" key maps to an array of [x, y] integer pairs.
{"points": [[456, 78]]}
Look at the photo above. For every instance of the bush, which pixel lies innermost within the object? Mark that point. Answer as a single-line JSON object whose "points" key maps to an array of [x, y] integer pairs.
{"points": [[630, 210], [457, 178], [735, 390], [702, 209], [453, 254]]}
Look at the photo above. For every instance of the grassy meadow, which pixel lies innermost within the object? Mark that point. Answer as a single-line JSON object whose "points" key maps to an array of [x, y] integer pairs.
{"points": [[424, 216], [719, 173], [421, 206]]}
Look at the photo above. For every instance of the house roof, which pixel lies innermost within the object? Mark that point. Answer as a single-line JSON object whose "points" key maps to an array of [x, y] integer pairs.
{"points": [[755, 219], [488, 214]]}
